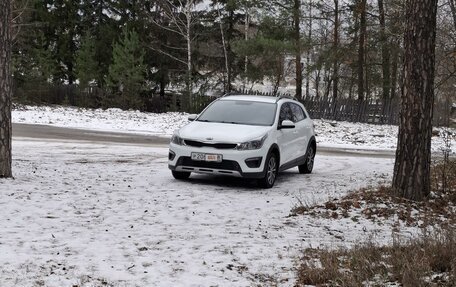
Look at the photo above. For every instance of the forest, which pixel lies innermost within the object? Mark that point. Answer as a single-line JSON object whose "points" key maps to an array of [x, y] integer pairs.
{"points": [[141, 54]]}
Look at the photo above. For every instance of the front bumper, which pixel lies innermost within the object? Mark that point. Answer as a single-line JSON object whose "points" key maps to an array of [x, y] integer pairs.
{"points": [[233, 163]]}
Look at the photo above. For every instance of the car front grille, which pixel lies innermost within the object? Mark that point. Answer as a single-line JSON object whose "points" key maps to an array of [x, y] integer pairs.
{"points": [[225, 164], [214, 145]]}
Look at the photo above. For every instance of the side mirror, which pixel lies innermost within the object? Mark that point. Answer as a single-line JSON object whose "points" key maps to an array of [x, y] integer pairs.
{"points": [[192, 117], [286, 124]]}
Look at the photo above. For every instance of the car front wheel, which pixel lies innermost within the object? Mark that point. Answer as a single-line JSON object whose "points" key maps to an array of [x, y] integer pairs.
{"points": [[270, 171], [307, 167], [180, 174]]}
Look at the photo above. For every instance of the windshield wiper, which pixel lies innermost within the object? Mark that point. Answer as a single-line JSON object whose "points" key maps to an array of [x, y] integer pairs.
{"points": [[234, 123], [205, 121]]}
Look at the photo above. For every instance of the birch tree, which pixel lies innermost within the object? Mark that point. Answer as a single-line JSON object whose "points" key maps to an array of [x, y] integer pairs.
{"points": [[178, 17]]}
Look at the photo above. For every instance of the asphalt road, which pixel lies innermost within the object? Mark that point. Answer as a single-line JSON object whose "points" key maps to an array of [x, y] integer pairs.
{"points": [[68, 134], [43, 132]]}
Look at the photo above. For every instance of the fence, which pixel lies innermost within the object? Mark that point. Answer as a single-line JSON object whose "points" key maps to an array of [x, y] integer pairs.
{"points": [[365, 111], [95, 97], [352, 110]]}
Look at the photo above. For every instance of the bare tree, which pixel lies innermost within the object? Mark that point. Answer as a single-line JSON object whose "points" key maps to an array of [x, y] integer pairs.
{"points": [[413, 156], [246, 38], [5, 88], [309, 50], [225, 54], [335, 51], [362, 7], [298, 49], [385, 52], [180, 20]]}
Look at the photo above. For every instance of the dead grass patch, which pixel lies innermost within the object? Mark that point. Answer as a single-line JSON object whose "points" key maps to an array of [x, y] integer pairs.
{"points": [[380, 203], [429, 260]]}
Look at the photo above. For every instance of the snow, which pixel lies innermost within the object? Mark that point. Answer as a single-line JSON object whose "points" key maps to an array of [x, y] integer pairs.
{"points": [[329, 133], [85, 213], [101, 120], [91, 214]]}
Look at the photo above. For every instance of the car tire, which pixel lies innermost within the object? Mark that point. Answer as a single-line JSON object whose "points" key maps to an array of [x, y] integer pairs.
{"points": [[180, 174], [307, 166], [270, 171]]}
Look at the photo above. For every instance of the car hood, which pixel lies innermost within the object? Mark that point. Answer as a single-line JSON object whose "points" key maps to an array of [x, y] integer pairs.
{"points": [[221, 132]]}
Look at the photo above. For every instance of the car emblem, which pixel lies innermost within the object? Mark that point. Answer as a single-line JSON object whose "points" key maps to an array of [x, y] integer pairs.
{"points": [[209, 139]]}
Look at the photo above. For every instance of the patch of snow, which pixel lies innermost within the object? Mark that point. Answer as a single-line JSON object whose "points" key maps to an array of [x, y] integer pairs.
{"points": [[83, 214]]}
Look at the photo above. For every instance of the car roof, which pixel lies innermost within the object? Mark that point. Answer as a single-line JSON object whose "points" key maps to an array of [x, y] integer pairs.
{"points": [[240, 97]]}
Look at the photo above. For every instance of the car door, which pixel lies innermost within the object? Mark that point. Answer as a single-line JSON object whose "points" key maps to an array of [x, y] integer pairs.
{"points": [[301, 131], [286, 137]]}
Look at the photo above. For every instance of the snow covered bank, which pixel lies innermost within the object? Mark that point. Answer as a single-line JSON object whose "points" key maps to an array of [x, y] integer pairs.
{"points": [[84, 214], [329, 133]]}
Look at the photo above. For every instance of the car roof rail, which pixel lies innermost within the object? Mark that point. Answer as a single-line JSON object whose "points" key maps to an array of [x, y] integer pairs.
{"points": [[230, 94], [279, 97]]}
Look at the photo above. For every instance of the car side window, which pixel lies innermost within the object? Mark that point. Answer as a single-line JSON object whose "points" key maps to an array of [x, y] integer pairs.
{"points": [[285, 113], [298, 113]]}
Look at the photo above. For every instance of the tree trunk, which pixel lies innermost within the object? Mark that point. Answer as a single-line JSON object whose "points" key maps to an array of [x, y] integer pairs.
{"points": [[297, 39], [385, 53], [335, 51], [413, 156], [361, 42], [394, 73], [453, 11], [5, 89], [227, 86], [246, 38], [189, 101], [309, 50], [229, 52]]}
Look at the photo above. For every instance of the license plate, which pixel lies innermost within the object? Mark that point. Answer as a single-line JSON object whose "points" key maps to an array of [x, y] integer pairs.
{"points": [[206, 157]]}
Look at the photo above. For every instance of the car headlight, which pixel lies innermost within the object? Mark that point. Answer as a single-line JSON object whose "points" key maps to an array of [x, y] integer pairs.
{"points": [[252, 145], [176, 139]]}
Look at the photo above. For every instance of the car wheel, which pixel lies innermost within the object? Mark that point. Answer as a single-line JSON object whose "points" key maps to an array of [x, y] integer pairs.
{"points": [[180, 174], [310, 159], [271, 171]]}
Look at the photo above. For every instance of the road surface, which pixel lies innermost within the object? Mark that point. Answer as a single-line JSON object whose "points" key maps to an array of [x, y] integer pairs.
{"points": [[43, 132]]}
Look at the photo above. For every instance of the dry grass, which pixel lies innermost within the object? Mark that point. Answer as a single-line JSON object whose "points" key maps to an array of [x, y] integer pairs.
{"points": [[427, 261], [381, 203]]}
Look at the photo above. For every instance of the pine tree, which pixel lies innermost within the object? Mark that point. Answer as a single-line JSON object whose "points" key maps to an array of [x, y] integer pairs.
{"points": [[34, 63], [63, 22], [86, 63], [127, 71], [413, 155], [267, 51], [5, 89]]}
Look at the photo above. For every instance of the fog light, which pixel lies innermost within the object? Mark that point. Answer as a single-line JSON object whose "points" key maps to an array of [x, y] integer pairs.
{"points": [[171, 155], [253, 162]]}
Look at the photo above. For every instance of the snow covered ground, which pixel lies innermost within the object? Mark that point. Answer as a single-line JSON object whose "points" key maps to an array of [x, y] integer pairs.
{"points": [[329, 133], [93, 214], [90, 214]]}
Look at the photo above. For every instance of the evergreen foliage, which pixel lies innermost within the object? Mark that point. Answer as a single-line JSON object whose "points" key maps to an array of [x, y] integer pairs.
{"points": [[126, 73], [233, 44], [87, 69]]}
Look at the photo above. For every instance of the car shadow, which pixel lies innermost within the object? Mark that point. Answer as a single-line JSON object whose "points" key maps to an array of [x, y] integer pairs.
{"points": [[235, 182], [223, 181]]}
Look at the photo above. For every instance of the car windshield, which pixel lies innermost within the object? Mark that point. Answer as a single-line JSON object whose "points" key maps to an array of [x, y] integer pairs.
{"points": [[240, 112]]}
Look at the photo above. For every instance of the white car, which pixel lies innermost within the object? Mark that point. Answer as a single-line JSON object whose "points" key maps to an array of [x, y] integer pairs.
{"points": [[245, 136]]}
